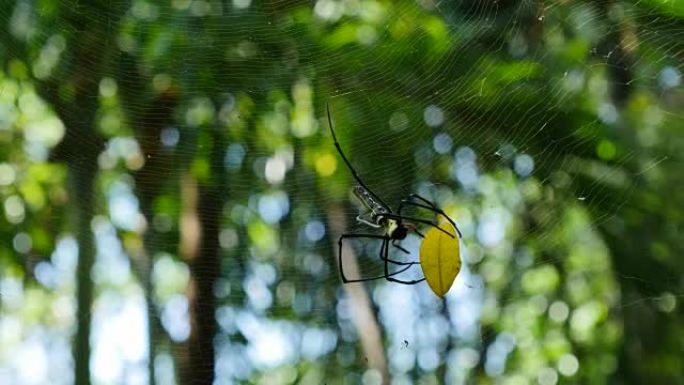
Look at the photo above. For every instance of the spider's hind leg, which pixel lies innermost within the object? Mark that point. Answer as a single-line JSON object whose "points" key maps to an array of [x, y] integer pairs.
{"points": [[390, 277], [383, 256]]}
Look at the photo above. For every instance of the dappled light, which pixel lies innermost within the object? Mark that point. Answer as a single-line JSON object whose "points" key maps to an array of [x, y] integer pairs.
{"points": [[341, 192]]}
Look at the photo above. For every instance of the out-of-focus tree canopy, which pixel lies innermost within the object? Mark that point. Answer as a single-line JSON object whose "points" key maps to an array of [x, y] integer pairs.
{"points": [[172, 199]]}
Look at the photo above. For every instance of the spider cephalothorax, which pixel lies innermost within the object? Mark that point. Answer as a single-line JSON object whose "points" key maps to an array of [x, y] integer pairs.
{"points": [[395, 225]]}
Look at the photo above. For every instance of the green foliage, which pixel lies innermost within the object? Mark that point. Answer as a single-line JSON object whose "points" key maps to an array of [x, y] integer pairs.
{"points": [[550, 132]]}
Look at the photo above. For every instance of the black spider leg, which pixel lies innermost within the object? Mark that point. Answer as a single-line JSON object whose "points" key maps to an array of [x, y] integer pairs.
{"points": [[346, 161], [390, 276], [430, 206], [394, 242], [412, 219], [383, 256], [419, 233]]}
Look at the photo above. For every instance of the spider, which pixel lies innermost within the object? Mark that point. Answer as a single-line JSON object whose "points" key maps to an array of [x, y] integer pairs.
{"points": [[380, 216]]}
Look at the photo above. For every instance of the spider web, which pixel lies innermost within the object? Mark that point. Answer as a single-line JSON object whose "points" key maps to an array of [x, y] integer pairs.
{"points": [[536, 126]]}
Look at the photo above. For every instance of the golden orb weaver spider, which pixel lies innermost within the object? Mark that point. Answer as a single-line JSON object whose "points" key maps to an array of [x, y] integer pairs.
{"points": [[395, 225]]}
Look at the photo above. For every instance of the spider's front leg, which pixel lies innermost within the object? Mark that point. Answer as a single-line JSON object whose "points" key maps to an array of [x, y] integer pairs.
{"points": [[428, 206], [361, 219]]}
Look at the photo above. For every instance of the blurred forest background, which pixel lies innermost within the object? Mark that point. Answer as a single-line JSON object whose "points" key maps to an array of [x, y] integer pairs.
{"points": [[171, 197]]}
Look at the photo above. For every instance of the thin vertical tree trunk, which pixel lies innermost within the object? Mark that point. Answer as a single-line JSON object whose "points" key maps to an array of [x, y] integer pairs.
{"points": [[82, 186], [364, 317], [79, 150], [442, 370], [188, 249], [149, 182], [200, 244]]}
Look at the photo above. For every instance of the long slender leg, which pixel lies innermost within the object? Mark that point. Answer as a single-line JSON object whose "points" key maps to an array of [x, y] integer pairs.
{"points": [[430, 206], [390, 276], [383, 256], [408, 202], [416, 196], [394, 243], [346, 161], [417, 232], [415, 281], [412, 219]]}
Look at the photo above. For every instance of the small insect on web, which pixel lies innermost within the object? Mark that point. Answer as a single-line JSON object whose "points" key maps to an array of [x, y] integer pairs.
{"points": [[440, 249]]}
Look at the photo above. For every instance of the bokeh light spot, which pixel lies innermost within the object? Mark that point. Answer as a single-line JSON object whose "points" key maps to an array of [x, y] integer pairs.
{"points": [[606, 150], [398, 121], [433, 116], [442, 143], [275, 170], [326, 164], [22, 243], [568, 365], [559, 311], [371, 377], [523, 165], [7, 174], [14, 209], [670, 77], [108, 87], [547, 376], [314, 231]]}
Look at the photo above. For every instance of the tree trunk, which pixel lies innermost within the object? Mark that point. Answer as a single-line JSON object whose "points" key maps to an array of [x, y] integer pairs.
{"points": [[201, 223], [79, 150], [149, 182], [364, 317], [82, 185], [443, 369]]}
